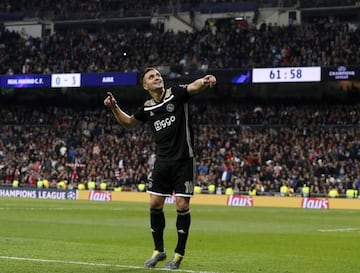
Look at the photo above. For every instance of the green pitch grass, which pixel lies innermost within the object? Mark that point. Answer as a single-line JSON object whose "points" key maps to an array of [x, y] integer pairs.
{"points": [[38, 236]]}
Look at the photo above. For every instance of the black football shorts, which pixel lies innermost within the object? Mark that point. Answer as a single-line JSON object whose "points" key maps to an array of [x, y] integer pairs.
{"points": [[173, 177]]}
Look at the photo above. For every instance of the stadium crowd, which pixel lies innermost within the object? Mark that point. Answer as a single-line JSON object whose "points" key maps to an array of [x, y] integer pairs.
{"points": [[138, 7], [132, 48], [239, 147]]}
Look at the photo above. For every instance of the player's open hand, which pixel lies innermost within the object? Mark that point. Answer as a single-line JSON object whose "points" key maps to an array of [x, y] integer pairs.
{"points": [[110, 101]]}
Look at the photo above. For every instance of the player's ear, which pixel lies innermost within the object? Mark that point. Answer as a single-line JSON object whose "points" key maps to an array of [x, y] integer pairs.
{"points": [[145, 86]]}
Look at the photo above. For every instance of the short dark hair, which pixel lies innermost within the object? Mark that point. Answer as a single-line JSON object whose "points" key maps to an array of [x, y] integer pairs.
{"points": [[146, 70]]}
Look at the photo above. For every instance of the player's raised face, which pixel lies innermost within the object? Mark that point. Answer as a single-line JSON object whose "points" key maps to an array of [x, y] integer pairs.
{"points": [[153, 80]]}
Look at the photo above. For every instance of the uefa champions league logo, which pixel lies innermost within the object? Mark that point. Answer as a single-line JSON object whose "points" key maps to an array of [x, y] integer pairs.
{"points": [[71, 195]]}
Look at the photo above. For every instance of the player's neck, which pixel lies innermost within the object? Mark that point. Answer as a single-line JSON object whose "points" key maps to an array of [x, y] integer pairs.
{"points": [[157, 94]]}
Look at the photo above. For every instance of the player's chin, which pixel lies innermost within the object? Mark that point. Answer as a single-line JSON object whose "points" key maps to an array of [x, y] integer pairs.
{"points": [[159, 86]]}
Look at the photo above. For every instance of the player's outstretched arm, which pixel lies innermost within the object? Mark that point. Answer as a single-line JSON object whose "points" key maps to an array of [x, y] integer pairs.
{"points": [[201, 84], [123, 118]]}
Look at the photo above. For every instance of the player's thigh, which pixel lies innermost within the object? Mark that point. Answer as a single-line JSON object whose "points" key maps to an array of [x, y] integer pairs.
{"points": [[160, 181], [184, 177]]}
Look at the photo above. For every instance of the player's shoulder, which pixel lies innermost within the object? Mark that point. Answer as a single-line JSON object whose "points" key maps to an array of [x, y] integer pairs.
{"points": [[177, 90], [169, 93], [149, 103]]}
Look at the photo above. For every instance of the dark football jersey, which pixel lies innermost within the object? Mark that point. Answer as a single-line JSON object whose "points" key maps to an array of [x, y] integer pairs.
{"points": [[169, 121]]}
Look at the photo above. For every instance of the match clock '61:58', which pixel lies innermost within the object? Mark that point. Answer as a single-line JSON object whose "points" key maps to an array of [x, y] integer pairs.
{"points": [[286, 74]]}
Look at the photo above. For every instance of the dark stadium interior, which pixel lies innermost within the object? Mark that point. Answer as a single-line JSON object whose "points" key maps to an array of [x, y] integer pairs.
{"points": [[247, 135]]}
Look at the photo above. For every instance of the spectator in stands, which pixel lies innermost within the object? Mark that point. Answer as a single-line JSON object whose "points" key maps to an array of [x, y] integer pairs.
{"points": [[333, 192], [19, 128], [296, 45]]}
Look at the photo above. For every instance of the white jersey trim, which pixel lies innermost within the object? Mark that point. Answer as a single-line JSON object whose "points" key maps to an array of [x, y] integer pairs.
{"points": [[159, 194], [149, 108], [187, 126], [169, 195]]}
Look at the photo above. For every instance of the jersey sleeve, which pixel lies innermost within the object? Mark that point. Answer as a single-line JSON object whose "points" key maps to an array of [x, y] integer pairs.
{"points": [[182, 92], [141, 115]]}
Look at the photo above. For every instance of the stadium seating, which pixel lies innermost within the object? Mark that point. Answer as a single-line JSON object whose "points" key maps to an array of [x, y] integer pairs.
{"points": [[316, 144]]}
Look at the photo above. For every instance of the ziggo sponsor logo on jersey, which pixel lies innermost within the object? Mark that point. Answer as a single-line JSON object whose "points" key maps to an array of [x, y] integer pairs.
{"points": [[161, 124]]}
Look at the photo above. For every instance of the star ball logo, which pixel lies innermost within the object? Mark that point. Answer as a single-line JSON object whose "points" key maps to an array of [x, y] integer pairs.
{"points": [[71, 195]]}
